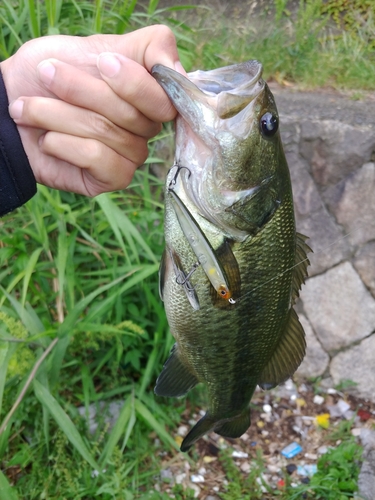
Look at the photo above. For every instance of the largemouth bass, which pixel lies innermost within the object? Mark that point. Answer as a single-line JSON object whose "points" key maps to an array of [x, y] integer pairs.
{"points": [[233, 264]]}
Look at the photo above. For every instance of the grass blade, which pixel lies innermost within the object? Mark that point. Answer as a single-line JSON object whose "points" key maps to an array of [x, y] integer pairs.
{"points": [[6, 491], [148, 417], [121, 424], [28, 272], [4, 361], [64, 422]]}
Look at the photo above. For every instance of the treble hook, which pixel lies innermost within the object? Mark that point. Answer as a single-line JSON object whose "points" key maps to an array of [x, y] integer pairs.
{"points": [[173, 182], [185, 281]]}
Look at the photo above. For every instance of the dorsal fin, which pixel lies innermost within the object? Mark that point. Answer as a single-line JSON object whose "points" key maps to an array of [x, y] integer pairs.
{"points": [[301, 265], [287, 356], [292, 346]]}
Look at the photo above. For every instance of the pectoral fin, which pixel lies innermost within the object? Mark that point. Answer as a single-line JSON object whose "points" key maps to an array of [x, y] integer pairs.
{"points": [[176, 379], [288, 354]]}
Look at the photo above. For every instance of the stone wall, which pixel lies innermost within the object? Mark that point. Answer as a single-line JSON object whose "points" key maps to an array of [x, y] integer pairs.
{"points": [[329, 141]]}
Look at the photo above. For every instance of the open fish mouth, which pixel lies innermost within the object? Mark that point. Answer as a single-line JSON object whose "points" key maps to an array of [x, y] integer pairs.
{"points": [[226, 90], [233, 86]]}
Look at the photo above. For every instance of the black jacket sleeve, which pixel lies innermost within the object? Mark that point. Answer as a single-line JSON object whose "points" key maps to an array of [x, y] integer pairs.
{"points": [[17, 181]]}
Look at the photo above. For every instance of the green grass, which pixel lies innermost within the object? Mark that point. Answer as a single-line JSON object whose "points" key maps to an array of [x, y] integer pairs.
{"points": [[303, 47], [79, 277]]}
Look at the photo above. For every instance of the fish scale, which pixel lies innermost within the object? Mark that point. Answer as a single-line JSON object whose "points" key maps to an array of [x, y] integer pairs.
{"points": [[230, 234]]}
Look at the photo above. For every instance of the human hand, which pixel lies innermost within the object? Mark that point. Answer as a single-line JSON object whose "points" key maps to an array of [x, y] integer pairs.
{"points": [[86, 107]]}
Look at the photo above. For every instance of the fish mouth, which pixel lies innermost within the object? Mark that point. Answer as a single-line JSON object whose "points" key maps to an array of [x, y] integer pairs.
{"points": [[226, 90]]}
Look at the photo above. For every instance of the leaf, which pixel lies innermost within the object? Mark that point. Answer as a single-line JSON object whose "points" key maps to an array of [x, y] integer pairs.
{"points": [[27, 317], [64, 422], [6, 491], [5, 355], [124, 423], [147, 416], [30, 267]]}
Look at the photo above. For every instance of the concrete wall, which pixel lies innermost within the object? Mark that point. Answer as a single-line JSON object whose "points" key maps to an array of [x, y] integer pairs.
{"points": [[330, 146]]}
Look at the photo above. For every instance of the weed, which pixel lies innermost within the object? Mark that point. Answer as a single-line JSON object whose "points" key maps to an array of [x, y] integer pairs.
{"points": [[337, 475]]}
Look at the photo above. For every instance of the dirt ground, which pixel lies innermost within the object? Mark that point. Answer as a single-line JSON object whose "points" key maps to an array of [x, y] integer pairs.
{"points": [[301, 414]]}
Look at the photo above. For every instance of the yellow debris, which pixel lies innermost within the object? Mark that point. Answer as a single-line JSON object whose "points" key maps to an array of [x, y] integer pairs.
{"points": [[178, 440], [322, 420]]}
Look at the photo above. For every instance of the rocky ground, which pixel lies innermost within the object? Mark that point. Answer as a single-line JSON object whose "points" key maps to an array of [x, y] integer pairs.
{"points": [[289, 414]]}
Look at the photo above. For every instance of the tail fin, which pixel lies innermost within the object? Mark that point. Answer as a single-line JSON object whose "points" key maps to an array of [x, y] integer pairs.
{"points": [[233, 428], [205, 425], [236, 427]]}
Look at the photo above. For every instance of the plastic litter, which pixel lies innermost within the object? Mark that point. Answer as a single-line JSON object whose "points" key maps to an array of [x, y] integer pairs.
{"points": [[291, 450], [239, 454], [307, 470], [280, 484], [339, 408], [364, 415]]}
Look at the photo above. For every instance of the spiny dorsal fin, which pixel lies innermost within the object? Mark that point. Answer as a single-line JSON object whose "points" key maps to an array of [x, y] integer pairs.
{"points": [[176, 379], [301, 265], [287, 356]]}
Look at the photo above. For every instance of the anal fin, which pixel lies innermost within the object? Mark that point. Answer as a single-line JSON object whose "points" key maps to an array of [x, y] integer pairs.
{"points": [[176, 379], [288, 354]]}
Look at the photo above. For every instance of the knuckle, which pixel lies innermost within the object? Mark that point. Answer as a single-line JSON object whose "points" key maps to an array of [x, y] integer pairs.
{"points": [[92, 150], [100, 125], [165, 33], [31, 110]]}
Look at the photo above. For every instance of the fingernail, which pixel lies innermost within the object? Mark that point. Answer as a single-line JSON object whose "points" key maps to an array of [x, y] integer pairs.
{"points": [[108, 64], [178, 67], [46, 71], [15, 109]]}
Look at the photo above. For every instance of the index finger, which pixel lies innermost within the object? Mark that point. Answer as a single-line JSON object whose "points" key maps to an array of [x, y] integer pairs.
{"points": [[134, 84], [146, 46]]}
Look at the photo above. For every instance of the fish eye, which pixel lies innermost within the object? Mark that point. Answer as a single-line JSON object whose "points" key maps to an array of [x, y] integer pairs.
{"points": [[269, 124]]}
